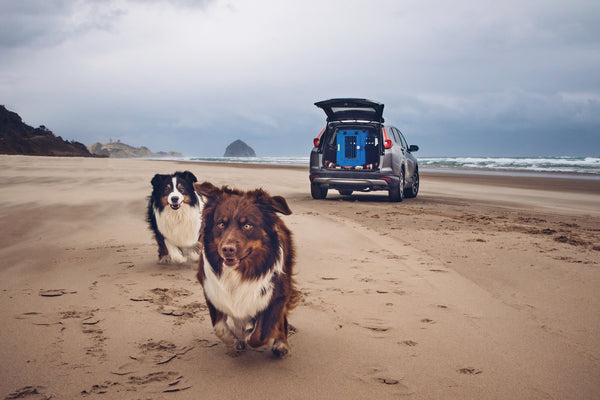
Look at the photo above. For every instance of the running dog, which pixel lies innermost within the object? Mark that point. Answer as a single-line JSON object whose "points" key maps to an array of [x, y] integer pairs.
{"points": [[246, 267], [175, 217]]}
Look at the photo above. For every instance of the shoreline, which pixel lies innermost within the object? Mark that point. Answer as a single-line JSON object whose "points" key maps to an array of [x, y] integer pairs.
{"points": [[510, 172], [423, 169], [582, 166], [536, 182], [581, 183]]}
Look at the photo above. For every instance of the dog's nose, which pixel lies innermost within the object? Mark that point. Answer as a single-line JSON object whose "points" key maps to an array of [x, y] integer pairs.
{"points": [[229, 250], [175, 199]]}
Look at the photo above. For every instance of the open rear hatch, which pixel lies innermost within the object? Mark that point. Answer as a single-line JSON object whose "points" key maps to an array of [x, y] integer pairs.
{"points": [[352, 110]]}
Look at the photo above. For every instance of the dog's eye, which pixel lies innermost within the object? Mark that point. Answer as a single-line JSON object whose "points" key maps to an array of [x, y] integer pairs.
{"points": [[247, 227], [221, 225]]}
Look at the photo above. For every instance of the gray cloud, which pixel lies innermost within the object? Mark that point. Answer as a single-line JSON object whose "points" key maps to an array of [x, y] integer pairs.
{"points": [[42, 23], [459, 78], [50, 22]]}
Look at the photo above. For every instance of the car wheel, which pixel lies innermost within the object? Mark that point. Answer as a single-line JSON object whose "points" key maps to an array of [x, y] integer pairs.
{"points": [[345, 192], [396, 193], [317, 191], [413, 189]]}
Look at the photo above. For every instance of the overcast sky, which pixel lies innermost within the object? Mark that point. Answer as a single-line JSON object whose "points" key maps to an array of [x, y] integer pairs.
{"points": [[478, 77]]}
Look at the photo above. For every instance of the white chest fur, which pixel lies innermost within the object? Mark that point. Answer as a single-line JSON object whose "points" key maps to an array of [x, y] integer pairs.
{"points": [[181, 227], [239, 298]]}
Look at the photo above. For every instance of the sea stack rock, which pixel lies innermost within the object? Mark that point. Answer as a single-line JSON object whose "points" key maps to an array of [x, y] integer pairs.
{"points": [[239, 149]]}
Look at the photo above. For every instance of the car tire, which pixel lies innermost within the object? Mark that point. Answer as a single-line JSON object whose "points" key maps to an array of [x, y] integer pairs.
{"points": [[396, 191], [412, 191], [317, 191], [345, 192]]}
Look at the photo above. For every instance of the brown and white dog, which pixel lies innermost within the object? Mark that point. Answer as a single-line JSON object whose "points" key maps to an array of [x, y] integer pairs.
{"points": [[246, 267]]}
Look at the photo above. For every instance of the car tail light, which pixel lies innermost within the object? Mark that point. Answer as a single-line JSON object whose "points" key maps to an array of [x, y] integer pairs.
{"points": [[317, 140], [385, 178], [387, 143]]}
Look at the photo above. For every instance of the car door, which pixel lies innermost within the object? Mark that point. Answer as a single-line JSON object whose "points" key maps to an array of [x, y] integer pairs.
{"points": [[397, 151], [410, 160]]}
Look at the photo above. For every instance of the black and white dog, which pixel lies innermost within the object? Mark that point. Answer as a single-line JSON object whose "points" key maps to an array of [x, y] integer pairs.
{"points": [[175, 217]]}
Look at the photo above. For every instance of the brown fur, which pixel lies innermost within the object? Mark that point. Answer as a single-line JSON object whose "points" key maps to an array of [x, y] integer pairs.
{"points": [[241, 230]]}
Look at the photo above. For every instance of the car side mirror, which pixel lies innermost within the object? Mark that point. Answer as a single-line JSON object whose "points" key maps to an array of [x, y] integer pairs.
{"points": [[413, 147]]}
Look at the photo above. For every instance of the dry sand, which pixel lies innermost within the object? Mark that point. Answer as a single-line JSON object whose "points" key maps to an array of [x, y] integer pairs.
{"points": [[481, 287]]}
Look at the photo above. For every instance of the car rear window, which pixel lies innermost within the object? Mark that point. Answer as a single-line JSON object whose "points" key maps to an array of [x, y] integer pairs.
{"points": [[344, 109]]}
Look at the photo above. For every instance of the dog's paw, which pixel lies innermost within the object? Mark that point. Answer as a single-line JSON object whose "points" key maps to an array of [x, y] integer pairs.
{"points": [[222, 331], [172, 259], [177, 258], [164, 259], [233, 352], [194, 256], [249, 329], [280, 349], [239, 345], [236, 348]]}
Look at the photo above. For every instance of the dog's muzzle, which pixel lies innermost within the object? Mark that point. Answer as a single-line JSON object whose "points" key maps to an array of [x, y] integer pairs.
{"points": [[175, 202], [232, 261]]}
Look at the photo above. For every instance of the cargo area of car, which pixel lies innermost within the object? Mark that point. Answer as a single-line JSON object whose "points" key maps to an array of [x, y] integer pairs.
{"points": [[352, 148]]}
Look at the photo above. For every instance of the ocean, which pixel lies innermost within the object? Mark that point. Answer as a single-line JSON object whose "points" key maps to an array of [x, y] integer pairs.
{"points": [[581, 166]]}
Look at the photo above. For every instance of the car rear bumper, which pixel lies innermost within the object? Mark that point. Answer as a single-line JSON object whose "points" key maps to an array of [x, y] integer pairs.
{"points": [[362, 183]]}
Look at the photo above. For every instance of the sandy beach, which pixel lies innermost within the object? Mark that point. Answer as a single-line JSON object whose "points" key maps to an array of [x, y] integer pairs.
{"points": [[483, 287]]}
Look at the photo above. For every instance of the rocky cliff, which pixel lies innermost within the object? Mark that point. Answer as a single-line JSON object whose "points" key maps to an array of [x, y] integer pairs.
{"points": [[122, 150], [16, 137]]}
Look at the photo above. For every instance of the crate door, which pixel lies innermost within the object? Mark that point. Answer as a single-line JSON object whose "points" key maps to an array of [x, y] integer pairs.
{"points": [[351, 148]]}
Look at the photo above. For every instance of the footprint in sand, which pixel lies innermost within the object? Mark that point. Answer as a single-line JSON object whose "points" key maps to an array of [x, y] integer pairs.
{"points": [[98, 338], [101, 388], [55, 292], [161, 381], [167, 301], [161, 352], [409, 343], [90, 326], [30, 393], [470, 371], [377, 326], [388, 379]]}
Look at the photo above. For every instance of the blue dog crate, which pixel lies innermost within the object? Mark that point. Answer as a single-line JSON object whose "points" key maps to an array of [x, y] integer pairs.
{"points": [[351, 147]]}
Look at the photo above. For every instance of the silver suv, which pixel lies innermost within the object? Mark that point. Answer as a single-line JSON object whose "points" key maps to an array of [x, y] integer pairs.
{"points": [[357, 151]]}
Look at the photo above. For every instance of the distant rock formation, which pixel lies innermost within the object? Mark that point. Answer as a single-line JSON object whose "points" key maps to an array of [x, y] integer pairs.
{"points": [[239, 149], [122, 150], [16, 137]]}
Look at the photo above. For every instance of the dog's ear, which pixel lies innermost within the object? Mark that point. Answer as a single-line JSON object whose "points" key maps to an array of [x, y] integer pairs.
{"points": [[207, 190], [156, 179], [188, 176], [275, 203], [280, 205]]}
